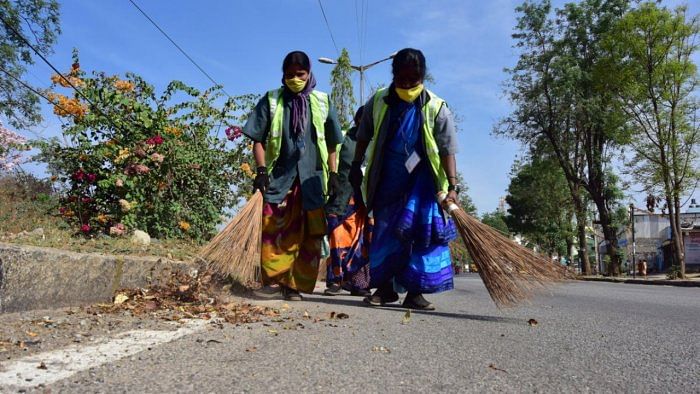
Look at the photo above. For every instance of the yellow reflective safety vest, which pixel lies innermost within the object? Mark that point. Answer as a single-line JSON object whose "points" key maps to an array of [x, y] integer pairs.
{"points": [[430, 112], [319, 113]]}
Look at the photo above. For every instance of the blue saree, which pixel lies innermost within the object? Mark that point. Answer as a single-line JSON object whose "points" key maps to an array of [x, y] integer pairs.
{"points": [[410, 242]]}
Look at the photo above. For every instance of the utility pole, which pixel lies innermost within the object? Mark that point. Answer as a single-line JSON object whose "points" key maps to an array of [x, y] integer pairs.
{"points": [[360, 69]]}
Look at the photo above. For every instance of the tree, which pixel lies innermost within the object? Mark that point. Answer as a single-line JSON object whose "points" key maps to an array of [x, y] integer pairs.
{"points": [[342, 95], [649, 53], [540, 206], [496, 219], [38, 22], [556, 101], [11, 146]]}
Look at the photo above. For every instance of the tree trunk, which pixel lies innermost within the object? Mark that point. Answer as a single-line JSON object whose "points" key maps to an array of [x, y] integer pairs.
{"points": [[676, 234], [610, 234], [581, 221], [674, 219]]}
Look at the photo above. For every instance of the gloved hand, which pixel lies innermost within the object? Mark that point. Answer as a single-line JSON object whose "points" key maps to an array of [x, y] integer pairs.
{"points": [[356, 175], [356, 181], [262, 180], [333, 184]]}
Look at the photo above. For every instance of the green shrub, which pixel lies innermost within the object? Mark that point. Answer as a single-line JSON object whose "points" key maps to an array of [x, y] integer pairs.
{"points": [[136, 160]]}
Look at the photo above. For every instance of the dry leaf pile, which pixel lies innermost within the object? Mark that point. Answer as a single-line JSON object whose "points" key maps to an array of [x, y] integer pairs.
{"points": [[184, 297]]}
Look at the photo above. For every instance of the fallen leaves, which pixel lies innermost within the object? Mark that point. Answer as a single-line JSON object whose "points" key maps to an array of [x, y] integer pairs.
{"points": [[495, 368], [183, 296], [406, 317], [120, 298], [42, 365], [532, 322], [381, 349]]}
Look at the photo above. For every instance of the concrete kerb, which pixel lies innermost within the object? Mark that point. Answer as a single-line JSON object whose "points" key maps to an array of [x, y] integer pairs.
{"points": [[658, 282], [43, 278]]}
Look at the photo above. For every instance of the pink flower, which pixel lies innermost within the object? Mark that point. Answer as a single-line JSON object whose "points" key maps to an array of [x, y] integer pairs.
{"points": [[157, 157], [91, 178], [86, 200], [118, 229], [79, 175], [85, 228], [62, 210], [157, 140], [233, 132], [134, 169]]}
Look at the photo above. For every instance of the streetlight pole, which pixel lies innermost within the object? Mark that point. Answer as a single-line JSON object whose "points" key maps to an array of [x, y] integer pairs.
{"points": [[360, 69]]}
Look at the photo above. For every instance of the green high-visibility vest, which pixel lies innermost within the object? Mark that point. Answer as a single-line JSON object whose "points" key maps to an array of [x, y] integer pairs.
{"points": [[319, 113], [430, 112]]}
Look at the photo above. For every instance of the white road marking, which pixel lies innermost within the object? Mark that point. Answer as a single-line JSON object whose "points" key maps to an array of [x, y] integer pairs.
{"points": [[63, 363]]}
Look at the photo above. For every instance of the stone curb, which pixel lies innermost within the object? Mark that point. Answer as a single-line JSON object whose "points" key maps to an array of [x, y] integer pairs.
{"points": [[658, 282], [42, 278]]}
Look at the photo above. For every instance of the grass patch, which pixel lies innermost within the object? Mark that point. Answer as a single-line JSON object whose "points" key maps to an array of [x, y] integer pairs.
{"points": [[28, 204]]}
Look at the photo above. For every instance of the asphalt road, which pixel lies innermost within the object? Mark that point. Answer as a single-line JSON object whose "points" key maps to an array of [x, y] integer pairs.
{"points": [[589, 337]]}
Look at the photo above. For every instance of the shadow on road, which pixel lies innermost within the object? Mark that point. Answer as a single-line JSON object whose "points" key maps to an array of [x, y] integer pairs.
{"points": [[357, 302]]}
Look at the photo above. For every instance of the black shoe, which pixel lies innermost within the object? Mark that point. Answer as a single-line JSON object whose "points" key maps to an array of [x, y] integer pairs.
{"points": [[268, 292], [291, 294], [417, 302], [381, 297], [333, 290], [360, 293]]}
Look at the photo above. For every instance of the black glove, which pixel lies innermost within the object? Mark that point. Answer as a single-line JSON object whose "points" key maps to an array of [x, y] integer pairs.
{"points": [[333, 184], [262, 180], [356, 175], [356, 181]]}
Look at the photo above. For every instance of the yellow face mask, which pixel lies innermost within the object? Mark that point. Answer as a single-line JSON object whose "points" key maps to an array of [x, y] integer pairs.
{"points": [[295, 84], [409, 95]]}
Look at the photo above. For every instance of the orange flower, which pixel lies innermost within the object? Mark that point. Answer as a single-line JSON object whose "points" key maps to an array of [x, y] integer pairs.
{"points": [[65, 106], [245, 167], [67, 80], [124, 86], [184, 226], [172, 130]]}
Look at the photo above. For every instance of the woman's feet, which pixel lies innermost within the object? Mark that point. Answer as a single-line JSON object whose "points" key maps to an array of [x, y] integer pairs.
{"points": [[418, 302], [381, 296], [333, 289], [268, 292], [291, 294]]}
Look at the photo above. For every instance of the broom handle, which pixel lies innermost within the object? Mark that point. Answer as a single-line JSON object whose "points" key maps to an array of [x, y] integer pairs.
{"points": [[449, 205]]}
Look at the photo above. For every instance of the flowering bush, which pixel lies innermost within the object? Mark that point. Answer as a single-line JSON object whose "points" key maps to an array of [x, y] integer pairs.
{"points": [[11, 146], [142, 161]]}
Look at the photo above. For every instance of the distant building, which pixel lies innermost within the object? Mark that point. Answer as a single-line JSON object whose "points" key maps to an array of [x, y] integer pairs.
{"points": [[653, 240]]}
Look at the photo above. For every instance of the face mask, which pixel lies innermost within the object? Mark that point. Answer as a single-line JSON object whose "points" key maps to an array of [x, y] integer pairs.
{"points": [[295, 84], [409, 95]]}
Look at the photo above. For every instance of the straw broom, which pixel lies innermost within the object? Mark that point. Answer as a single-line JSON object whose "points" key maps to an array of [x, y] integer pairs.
{"points": [[512, 273], [235, 251]]}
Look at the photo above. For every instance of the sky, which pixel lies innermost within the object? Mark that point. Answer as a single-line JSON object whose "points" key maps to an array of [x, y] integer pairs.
{"points": [[241, 44]]}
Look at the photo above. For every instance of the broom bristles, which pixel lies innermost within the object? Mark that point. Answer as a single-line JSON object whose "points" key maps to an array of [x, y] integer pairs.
{"points": [[235, 251], [511, 273]]}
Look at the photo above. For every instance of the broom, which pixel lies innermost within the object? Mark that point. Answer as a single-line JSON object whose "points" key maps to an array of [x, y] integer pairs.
{"points": [[235, 251], [511, 272]]}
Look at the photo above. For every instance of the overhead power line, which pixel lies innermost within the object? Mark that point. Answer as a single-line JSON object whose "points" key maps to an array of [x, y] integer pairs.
{"points": [[179, 48], [328, 26]]}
